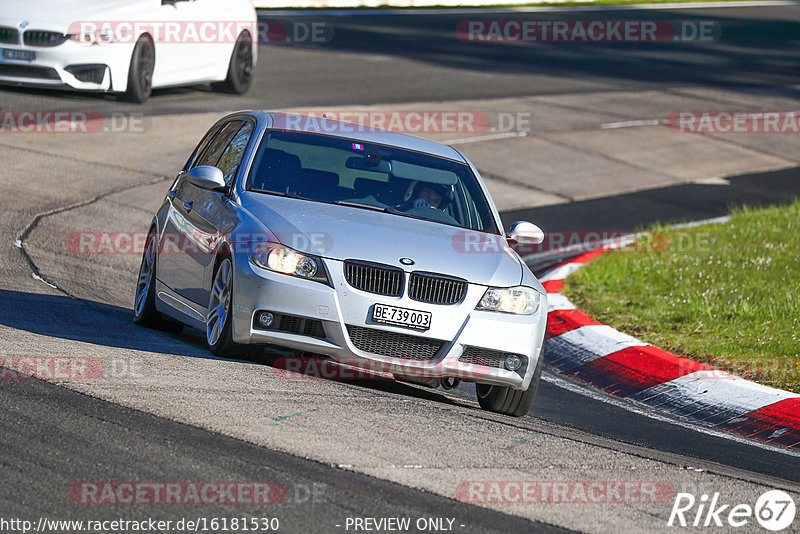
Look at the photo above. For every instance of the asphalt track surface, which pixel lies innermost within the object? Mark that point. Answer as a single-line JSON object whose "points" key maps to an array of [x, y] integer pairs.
{"points": [[380, 59], [53, 436]]}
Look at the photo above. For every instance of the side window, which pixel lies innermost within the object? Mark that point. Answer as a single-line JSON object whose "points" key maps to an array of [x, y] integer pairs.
{"points": [[232, 157], [213, 151], [201, 147]]}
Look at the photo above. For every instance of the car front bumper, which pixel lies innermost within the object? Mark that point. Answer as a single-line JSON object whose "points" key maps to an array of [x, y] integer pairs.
{"points": [[345, 313], [69, 65]]}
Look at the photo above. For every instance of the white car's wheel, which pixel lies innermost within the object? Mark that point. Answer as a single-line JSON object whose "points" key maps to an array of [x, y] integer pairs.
{"points": [[140, 74], [240, 67]]}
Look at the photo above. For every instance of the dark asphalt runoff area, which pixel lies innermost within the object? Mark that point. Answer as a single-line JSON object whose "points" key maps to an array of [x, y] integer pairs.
{"points": [[53, 438]]}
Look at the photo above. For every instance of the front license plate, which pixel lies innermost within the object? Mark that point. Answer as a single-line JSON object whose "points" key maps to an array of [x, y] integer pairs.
{"points": [[418, 320], [18, 55]]}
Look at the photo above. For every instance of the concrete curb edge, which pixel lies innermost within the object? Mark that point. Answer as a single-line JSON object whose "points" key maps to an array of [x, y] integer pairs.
{"points": [[578, 346]]}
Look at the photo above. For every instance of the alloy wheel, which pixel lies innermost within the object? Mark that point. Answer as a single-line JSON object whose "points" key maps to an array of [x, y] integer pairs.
{"points": [[219, 305]]}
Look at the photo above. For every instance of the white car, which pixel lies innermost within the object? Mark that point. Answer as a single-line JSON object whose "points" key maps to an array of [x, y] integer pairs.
{"points": [[128, 46]]}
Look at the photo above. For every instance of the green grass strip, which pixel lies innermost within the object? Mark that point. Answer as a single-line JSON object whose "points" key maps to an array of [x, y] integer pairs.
{"points": [[727, 295]]}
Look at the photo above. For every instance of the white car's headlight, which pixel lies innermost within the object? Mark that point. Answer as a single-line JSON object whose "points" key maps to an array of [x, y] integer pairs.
{"points": [[282, 259], [93, 37], [518, 300]]}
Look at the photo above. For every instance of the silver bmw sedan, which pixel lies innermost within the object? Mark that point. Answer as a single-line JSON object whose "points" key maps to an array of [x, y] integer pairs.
{"points": [[377, 249]]}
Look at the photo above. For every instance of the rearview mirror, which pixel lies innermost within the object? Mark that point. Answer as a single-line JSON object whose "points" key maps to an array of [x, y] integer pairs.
{"points": [[363, 164], [207, 177], [525, 233], [409, 171]]}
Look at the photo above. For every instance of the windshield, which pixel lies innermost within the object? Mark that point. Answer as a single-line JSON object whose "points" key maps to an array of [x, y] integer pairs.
{"points": [[354, 173]]}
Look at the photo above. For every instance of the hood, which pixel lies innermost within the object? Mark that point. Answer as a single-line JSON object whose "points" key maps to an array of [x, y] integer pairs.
{"points": [[57, 15], [341, 233]]}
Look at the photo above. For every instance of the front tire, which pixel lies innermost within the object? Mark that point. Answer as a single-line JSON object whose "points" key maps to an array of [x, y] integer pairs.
{"points": [[219, 321], [240, 67], [509, 401], [140, 73]]}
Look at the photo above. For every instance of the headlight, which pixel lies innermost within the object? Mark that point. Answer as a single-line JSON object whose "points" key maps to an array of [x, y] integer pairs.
{"points": [[284, 260], [93, 37], [518, 300]]}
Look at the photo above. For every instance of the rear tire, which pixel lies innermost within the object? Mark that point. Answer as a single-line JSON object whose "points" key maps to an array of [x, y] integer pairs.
{"points": [[240, 67], [144, 306], [140, 74], [509, 401]]}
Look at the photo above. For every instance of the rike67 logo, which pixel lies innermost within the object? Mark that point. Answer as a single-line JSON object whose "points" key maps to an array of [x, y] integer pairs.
{"points": [[774, 510]]}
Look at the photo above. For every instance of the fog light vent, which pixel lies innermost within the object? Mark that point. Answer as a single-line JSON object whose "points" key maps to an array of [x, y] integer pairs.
{"points": [[513, 362], [265, 319], [494, 358], [87, 73]]}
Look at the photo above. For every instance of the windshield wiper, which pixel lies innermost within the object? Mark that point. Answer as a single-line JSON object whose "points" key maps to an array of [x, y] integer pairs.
{"points": [[358, 205], [300, 197], [384, 209], [269, 192], [394, 211], [283, 194]]}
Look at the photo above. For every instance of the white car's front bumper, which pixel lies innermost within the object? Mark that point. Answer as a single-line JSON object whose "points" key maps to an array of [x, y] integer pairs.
{"points": [[69, 64]]}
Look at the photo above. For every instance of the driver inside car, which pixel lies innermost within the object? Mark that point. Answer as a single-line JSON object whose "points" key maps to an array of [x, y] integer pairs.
{"points": [[427, 195]]}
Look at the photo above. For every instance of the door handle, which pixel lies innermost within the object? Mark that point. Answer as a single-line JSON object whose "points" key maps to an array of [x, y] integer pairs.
{"points": [[188, 206]]}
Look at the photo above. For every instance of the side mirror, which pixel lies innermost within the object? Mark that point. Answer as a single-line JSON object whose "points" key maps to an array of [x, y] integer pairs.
{"points": [[525, 234], [207, 177]]}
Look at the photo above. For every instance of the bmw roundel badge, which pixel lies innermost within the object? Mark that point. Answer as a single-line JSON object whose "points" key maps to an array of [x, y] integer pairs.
{"points": [[406, 261]]}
